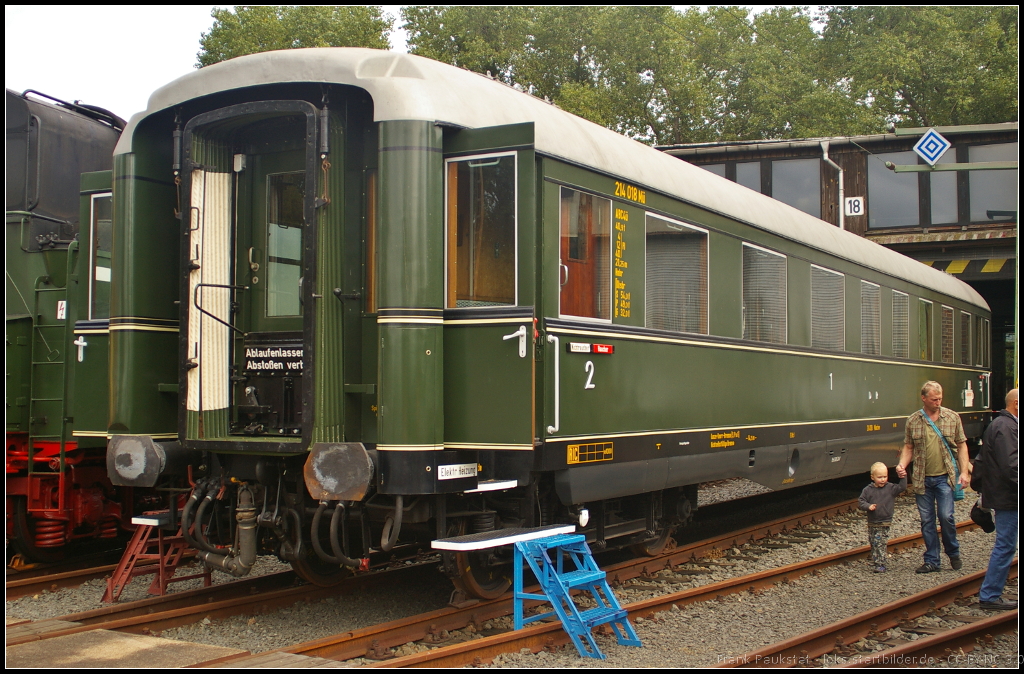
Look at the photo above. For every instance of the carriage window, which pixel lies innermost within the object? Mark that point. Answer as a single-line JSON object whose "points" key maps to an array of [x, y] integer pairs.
{"points": [[99, 282], [965, 338], [677, 277], [585, 255], [924, 330], [828, 309], [900, 324], [481, 216], [764, 295], [947, 334], [981, 336], [284, 243], [870, 318]]}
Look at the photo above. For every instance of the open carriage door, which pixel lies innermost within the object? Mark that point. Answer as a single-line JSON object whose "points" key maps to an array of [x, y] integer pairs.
{"points": [[488, 312], [250, 181]]}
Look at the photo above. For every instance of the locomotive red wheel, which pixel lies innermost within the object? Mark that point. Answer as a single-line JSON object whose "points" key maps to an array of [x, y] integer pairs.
{"points": [[24, 537]]}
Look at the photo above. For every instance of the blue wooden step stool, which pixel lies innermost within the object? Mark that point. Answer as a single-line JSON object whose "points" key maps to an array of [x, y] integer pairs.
{"points": [[546, 557]]}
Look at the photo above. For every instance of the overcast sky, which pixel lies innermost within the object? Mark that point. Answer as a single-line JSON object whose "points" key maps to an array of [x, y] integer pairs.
{"points": [[113, 57]]}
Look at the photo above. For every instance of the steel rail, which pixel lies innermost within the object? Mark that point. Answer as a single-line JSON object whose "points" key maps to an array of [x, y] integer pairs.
{"points": [[927, 650], [250, 595], [551, 634], [375, 639], [802, 649]]}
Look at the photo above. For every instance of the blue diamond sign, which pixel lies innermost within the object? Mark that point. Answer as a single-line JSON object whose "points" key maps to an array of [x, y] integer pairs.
{"points": [[931, 146]]}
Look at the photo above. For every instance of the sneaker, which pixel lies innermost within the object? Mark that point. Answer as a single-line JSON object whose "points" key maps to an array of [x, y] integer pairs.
{"points": [[956, 563], [927, 568], [879, 569], [999, 605]]}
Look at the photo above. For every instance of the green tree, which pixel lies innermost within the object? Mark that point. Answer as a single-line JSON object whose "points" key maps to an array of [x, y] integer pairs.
{"points": [[664, 76], [926, 66], [252, 29]]}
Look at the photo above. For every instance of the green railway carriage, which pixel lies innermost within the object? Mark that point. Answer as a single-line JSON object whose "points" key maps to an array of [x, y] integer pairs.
{"points": [[57, 263], [399, 300]]}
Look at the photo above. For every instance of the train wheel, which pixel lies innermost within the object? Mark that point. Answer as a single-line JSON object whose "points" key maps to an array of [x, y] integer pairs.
{"points": [[654, 546], [316, 571], [476, 577], [24, 536]]}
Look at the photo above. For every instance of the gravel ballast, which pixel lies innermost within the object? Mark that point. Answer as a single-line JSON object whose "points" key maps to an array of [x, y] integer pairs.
{"points": [[694, 635]]}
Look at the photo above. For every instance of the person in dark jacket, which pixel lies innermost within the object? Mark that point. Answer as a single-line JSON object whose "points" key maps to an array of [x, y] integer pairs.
{"points": [[999, 493], [879, 500]]}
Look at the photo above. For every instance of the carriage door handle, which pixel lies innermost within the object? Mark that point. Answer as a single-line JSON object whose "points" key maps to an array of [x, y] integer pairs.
{"points": [[521, 334], [81, 344]]}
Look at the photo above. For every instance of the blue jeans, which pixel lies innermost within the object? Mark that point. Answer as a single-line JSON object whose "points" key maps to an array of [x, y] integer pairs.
{"points": [[1002, 555], [937, 493]]}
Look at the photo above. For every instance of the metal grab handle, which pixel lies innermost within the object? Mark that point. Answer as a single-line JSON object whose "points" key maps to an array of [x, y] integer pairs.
{"points": [[554, 429], [561, 268], [521, 334], [81, 344], [255, 266]]}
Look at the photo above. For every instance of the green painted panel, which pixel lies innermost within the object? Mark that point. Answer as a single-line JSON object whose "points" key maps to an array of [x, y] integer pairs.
{"points": [[137, 405], [488, 387], [647, 386], [853, 314], [411, 242], [410, 385], [799, 301], [629, 251], [331, 334]]}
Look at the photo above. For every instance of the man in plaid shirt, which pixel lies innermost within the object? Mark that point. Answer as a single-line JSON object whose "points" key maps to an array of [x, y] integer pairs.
{"points": [[935, 473]]}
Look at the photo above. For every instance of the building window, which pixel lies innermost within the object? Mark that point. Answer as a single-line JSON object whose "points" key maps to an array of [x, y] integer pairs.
{"points": [[947, 335], [748, 174], [677, 277], [797, 182], [764, 295], [828, 309], [870, 318], [585, 255], [993, 193], [900, 324], [717, 169], [481, 216], [965, 338], [892, 197], [944, 200], [924, 330]]}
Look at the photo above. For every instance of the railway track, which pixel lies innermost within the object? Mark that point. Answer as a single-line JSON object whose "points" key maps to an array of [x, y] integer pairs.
{"points": [[266, 593], [22, 581], [375, 642], [843, 642], [249, 596]]}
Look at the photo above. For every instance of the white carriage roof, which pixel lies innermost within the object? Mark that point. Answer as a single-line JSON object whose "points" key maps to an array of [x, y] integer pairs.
{"points": [[407, 87]]}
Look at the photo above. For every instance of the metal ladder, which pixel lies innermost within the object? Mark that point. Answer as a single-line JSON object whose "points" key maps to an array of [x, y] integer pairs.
{"points": [[546, 558], [55, 361]]}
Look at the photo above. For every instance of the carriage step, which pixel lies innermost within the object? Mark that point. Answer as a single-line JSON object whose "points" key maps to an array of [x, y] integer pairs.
{"points": [[546, 557]]}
